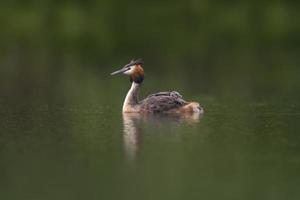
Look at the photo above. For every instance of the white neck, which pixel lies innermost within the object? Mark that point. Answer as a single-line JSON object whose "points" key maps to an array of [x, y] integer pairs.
{"points": [[131, 100]]}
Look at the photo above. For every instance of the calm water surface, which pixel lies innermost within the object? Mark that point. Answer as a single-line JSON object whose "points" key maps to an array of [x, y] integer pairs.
{"points": [[236, 150], [62, 133]]}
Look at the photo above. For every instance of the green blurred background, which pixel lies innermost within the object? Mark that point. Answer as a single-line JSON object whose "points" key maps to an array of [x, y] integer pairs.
{"points": [[62, 132], [215, 47]]}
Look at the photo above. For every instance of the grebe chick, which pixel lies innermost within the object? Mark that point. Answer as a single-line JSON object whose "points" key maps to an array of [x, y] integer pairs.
{"points": [[168, 102]]}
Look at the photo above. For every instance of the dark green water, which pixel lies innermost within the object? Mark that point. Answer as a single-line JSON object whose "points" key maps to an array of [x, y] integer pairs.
{"points": [[239, 149], [62, 133]]}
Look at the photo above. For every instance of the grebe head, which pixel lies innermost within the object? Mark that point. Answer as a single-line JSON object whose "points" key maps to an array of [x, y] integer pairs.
{"points": [[134, 70]]}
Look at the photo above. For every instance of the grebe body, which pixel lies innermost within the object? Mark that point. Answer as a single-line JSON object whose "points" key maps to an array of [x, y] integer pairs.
{"points": [[162, 102]]}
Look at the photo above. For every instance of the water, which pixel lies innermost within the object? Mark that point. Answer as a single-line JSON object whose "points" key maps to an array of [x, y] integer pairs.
{"points": [[239, 149], [62, 133]]}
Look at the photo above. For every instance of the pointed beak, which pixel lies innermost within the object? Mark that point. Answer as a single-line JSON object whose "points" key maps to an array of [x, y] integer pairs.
{"points": [[118, 71]]}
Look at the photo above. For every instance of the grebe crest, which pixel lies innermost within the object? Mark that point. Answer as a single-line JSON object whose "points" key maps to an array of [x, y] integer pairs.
{"points": [[170, 102]]}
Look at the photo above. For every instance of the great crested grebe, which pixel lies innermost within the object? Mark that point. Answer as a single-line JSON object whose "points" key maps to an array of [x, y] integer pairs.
{"points": [[162, 102]]}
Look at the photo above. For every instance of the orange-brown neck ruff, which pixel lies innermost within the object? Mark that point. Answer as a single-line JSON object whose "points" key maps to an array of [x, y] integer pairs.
{"points": [[138, 74]]}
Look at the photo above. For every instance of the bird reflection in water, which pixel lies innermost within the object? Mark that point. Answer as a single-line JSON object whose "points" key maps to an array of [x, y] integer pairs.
{"points": [[136, 123]]}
